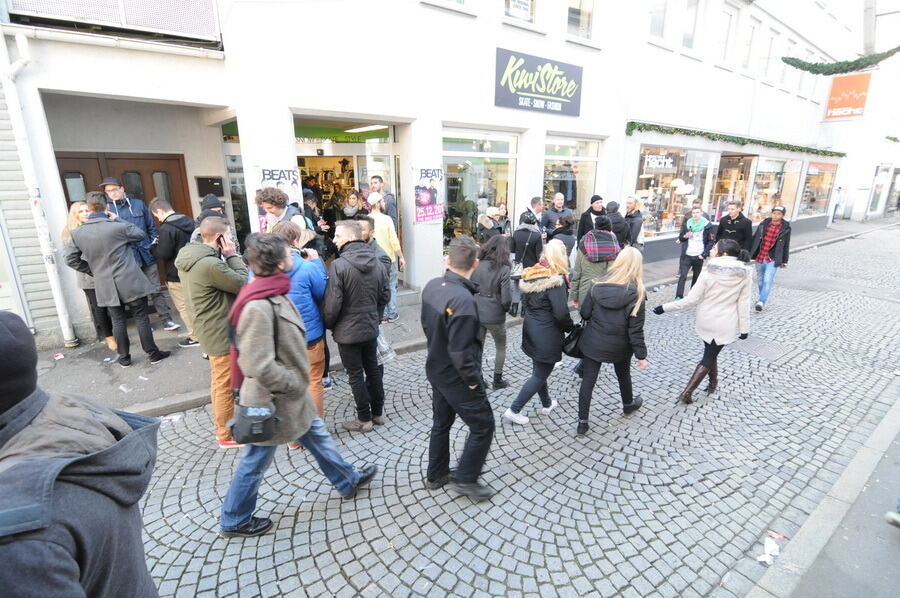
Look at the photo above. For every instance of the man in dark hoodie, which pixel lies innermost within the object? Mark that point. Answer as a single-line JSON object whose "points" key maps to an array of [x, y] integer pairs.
{"points": [[735, 226], [617, 222], [72, 474], [635, 221], [174, 233], [133, 210], [213, 206], [355, 298], [453, 367]]}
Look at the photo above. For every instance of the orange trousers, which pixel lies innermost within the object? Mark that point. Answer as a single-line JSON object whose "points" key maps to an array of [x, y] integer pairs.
{"points": [[220, 394]]}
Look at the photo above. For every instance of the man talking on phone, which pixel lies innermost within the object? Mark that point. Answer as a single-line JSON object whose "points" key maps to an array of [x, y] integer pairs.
{"points": [[211, 274]]}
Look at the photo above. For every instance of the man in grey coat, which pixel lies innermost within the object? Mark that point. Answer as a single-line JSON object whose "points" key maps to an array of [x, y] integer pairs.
{"points": [[102, 247]]}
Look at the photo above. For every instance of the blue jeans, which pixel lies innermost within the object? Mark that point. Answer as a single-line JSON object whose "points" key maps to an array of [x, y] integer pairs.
{"points": [[391, 310], [240, 501], [765, 272]]}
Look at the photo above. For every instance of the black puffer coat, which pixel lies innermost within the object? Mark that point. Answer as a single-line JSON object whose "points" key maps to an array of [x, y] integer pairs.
{"points": [[612, 335], [620, 227], [528, 244], [494, 293], [546, 314], [356, 295]]}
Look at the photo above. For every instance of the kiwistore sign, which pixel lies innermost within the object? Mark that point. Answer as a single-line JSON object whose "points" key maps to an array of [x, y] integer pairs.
{"points": [[526, 82]]}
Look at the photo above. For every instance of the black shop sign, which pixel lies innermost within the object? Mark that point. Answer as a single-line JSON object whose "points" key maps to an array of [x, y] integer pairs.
{"points": [[526, 82]]}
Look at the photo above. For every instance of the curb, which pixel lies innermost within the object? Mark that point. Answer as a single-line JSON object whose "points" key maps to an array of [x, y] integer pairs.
{"points": [[674, 279], [782, 578]]}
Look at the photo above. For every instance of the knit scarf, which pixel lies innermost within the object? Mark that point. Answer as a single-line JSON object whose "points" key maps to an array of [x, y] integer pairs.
{"points": [[696, 226], [350, 211], [260, 287]]}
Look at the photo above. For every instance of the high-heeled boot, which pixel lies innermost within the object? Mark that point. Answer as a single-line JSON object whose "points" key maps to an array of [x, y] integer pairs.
{"points": [[713, 378], [696, 378]]}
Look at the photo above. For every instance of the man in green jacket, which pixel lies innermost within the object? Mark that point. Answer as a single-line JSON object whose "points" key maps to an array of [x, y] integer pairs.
{"points": [[211, 275]]}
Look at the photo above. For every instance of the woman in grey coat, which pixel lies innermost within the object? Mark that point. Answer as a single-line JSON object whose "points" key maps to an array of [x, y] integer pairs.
{"points": [[273, 367], [493, 299]]}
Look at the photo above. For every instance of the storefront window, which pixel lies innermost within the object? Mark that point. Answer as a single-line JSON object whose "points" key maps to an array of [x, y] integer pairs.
{"points": [[776, 184], [570, 168], [479, 171], [522, 10], [732, 183], [669, 180], [817, 188], [882, 178]]}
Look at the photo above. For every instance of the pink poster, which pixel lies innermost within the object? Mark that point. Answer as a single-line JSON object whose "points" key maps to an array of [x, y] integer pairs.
{"points": [[429, 208]]}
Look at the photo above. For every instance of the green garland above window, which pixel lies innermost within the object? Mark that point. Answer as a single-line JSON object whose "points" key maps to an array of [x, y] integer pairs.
{"points": [[892, 138], [633, 126], [836, 68]]}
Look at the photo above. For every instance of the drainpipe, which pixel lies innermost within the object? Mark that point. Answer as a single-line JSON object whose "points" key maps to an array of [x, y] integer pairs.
{"points": [[869, 17], [26, 159]]}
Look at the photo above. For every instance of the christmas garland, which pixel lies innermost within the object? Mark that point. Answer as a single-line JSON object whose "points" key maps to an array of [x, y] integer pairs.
{"points": [[633, 126], [845, 66], [892, 138]]}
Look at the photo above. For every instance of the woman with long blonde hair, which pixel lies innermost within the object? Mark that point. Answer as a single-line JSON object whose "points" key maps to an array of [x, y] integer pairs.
{"points": [[614, 314], [78, 215], [546, 314]]}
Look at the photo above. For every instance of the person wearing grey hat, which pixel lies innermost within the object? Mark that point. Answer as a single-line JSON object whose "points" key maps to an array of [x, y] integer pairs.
{"points": [[211, 205], [771, 249], [72, 475]]}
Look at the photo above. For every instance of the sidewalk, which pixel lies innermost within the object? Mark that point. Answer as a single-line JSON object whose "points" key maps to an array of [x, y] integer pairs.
{"points": [[182, 381]]}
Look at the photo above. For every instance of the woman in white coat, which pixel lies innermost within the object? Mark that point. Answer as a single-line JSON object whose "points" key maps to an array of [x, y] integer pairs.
{"points": [[722, 297]]}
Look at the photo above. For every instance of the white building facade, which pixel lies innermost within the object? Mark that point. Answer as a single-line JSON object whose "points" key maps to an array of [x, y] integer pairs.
{"points": [[654, 98]]}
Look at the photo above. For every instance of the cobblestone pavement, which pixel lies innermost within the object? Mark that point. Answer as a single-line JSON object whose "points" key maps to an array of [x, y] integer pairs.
{"points": [[673, 500]]}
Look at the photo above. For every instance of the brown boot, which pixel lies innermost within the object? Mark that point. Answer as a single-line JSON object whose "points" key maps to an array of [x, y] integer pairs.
{"points": [[696, 378], [357, 425], [111, 343], [713, 379]]}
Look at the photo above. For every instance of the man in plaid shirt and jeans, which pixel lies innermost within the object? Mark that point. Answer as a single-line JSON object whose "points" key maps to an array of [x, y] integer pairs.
{"points": [[770, 250]]}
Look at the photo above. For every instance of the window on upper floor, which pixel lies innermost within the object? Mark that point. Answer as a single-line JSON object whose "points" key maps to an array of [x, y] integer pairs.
{"points": [[580, 17], [750, 42], [804, 86], [521, 10], [770, 60], [725, 33], [657, 14], [788, 73], [691, 16]]}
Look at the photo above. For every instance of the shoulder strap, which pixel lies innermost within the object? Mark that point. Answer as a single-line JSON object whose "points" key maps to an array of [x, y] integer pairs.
{"points": [[274, 325]]}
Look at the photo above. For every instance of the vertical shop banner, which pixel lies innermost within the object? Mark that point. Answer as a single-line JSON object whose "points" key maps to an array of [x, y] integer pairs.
{"points": [[527, 82], [429, 208], [848, 96], [287, 180]]}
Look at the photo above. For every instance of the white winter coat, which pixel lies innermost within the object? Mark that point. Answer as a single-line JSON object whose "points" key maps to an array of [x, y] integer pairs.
{"points": [[722, 298]]}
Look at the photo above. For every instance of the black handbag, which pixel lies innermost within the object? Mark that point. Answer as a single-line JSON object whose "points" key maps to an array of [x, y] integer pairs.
{"points": [[570, 342], [257, 423]]}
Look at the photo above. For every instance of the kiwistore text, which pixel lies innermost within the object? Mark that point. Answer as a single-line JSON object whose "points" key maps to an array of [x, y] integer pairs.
{"points": [[547, 78]]}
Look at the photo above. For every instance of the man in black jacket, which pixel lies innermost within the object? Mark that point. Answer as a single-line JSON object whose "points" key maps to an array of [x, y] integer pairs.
{"points": [[355, 299], [453, 367], [175, 232], [635, 221], [735, 226], [619, 226], [72, 474], [771, 250]]}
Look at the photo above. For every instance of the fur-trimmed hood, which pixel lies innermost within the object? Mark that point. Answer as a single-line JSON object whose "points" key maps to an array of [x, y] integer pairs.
{"points": [[727, 269], [539, 278]]}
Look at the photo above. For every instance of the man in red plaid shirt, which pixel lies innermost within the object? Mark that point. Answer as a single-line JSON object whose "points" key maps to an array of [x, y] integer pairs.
{"points": [[770, 250]]}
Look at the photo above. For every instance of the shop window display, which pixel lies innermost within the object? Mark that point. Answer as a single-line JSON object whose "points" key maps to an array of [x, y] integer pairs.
{"points": [[776, 184], [817, 188], [669, 180], [732, 184], [479, 170], [570, 168]]}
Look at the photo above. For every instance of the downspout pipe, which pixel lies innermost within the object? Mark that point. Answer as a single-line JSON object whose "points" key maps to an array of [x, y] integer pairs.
{"points": [[10, 71]]}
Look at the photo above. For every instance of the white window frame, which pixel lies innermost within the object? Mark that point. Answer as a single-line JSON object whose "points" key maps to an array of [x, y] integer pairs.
{"points": [[465, 7], [698, 18], [769, 70], [750, 48], [534, 12], [591, 28], [667, 5], [784, 81], [726, 58]]}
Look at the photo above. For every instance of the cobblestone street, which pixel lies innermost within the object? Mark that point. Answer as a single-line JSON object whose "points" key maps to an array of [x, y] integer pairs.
{"points": [[674, 500]]}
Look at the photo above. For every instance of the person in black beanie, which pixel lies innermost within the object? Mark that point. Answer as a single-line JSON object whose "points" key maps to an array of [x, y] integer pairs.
{"points": [[213, 206], [72, 474]]}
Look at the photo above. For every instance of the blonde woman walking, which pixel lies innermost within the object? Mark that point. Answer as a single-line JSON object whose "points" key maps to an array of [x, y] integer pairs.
{"points": [[547, 319], [614, 314]]}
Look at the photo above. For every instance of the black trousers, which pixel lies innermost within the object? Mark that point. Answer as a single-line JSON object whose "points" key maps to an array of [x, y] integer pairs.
{"points": [[361, 362], [472, 406], [693, 264], [100, 315], [140, 313], [711, 353], [589, 380], [536, 384]]}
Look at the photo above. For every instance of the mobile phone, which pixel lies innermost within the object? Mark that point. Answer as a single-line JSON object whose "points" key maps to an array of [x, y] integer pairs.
{"points": [[303, 253]]}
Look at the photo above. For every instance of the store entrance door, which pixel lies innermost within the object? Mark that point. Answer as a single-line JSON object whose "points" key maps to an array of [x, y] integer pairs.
{"points": [[144, 176], [732, 184]]}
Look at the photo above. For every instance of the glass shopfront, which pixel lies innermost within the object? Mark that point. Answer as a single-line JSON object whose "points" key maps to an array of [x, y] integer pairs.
{"points": [[817, 188], [669, 181], [776, 184], [882, 179], [570, 168], [479, 171], [731, 184]]}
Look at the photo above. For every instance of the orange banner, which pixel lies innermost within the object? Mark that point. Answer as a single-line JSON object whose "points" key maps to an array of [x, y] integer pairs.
{"points": [[848, 96]]}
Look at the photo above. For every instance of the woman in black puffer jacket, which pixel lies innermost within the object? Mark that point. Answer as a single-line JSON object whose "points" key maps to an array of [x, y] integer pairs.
{"points": [[614, 312], [547, 319]]}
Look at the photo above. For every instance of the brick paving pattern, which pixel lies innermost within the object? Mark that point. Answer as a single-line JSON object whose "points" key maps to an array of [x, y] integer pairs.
{"points": [[673, 500]]}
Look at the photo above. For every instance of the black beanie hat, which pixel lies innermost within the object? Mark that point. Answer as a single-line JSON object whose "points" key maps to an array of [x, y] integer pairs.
{"points": [[210, 201], [18, 361]]}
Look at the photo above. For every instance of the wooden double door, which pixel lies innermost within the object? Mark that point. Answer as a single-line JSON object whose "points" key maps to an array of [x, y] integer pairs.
{"points": [[144, 176]]}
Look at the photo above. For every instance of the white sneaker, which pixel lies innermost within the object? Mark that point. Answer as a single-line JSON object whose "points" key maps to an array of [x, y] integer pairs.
{"points": [[553, 405], [516, 418], [760, 305]]}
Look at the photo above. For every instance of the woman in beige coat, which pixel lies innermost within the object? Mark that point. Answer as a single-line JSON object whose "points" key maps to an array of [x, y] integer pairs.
{"points": [[722, 298], [270, 350]]}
